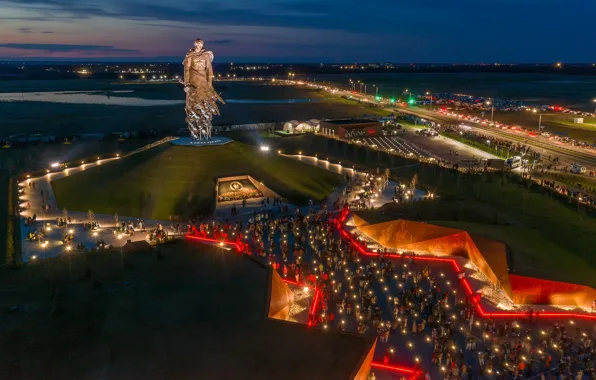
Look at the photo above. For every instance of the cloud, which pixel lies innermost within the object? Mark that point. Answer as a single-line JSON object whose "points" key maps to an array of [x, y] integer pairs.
{"points": [[355, 30], [29, 31], [61, 48]]}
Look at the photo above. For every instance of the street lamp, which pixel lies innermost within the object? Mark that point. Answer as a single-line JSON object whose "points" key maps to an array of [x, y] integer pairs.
{"points": [[68, 249], [431, 98], [539, 120], [492, 110], [594, 101]]}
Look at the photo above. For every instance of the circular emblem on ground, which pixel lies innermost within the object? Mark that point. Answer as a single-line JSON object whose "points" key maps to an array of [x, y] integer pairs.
{"points": [[236, 186]]}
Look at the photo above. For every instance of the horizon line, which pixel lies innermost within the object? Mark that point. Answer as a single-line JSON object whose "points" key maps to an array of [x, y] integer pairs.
{"points": [[171, 59]]}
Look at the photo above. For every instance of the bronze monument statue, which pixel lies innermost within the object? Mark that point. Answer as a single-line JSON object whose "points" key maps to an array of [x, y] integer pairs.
{"points": [[201, 98]]}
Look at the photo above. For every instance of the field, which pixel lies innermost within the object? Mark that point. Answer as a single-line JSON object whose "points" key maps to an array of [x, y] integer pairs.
{"points": [[22, 159], [549, 228], [574, 91], [529, 247], [107, 318], [65, 119], [176, 180]]}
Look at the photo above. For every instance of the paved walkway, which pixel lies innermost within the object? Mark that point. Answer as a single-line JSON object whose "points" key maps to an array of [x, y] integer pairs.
{"points": [[404, 347], [51, 245], [42, 194], [378, 201]]}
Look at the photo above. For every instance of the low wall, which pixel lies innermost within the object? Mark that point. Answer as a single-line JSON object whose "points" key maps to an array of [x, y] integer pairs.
{"points": [[243, 127], [267, 192], [281, 297], [364, 370], [536, 291]]}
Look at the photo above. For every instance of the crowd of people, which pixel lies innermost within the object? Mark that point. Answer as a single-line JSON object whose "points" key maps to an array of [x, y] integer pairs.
{"points": [[420, 315], [239, 195]]}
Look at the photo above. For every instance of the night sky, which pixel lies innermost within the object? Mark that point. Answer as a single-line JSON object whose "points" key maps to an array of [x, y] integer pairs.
{"points": [[303, 30]]}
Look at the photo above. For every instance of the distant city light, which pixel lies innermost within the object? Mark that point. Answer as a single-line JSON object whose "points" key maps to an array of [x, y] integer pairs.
{"points": [[55, 164], [264, 148]]}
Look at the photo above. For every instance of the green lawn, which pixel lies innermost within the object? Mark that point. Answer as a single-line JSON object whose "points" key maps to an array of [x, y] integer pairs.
{"points": [[476, 144], [31, 158], [177, 180], [554, 227], [533, 255], [554, 244]]}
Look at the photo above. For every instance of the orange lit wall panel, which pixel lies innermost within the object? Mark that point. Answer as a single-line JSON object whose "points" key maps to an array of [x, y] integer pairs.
{"points": [[281, 297], [530, 290]]}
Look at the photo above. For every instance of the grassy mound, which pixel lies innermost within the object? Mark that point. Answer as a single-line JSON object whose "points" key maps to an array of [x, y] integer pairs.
{"points": [[533, 255], [178, 180]]}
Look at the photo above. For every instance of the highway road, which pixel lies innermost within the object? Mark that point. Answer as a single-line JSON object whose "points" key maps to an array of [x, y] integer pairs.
{"points": [[567, 154]]}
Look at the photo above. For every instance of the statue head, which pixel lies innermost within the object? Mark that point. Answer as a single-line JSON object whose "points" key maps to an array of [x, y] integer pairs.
{"points": [[198, 44]]}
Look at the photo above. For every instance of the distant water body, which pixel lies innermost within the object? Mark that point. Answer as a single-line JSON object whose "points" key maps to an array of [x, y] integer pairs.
{"points": [[85, 97], [101, 98], [276, 101]]}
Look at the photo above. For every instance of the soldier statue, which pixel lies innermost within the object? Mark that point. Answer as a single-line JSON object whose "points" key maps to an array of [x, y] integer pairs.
{"points": [[201, 98]]}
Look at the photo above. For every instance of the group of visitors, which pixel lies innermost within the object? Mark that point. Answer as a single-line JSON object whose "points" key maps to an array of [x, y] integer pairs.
{"points": [[412, 307], [239, 195]]}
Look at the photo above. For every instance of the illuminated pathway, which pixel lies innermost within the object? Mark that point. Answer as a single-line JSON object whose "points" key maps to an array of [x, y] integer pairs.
{"points": [[405, 351]]}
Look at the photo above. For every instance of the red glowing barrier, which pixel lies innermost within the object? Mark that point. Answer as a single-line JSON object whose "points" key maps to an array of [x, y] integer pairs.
{"points": [[466, 285], [237, 245], [394, 368]]}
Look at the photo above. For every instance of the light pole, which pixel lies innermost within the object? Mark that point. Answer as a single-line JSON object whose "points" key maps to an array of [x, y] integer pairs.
{"points": [[594, 101], [539, 121], [431, 98], [492, 110], [365, 89], [68, 249]]}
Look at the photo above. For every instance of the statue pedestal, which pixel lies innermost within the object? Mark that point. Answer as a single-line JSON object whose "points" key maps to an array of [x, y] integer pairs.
{"points": [[189, 141]]}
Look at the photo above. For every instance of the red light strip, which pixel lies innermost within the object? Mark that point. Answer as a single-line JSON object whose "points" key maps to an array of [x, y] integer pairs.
{"points": [[393, 368], [466, 285], [238, 247], [313, 310], [297, 283], [234, 244]]}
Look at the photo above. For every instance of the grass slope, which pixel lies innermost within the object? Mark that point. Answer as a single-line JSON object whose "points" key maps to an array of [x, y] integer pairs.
{"points": [[533, 255], [559, 238], [177, 180]]}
